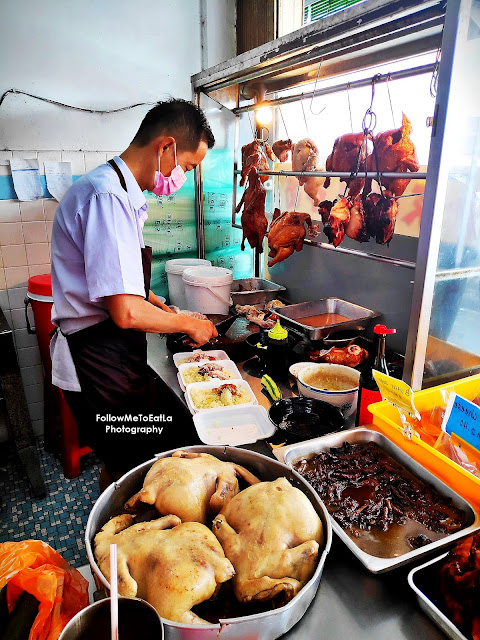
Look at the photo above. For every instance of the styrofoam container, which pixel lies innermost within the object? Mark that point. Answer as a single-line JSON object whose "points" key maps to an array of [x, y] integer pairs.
{"points": [[234, 426], [213, 384], [207, 289], [181, 355], [174, 269], [345, 400], [228, 365]]}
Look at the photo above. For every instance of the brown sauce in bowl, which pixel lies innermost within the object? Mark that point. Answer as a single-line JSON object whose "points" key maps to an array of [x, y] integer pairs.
{"points": [[322, 319]]}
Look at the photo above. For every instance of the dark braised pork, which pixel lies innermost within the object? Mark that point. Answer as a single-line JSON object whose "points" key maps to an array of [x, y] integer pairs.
{"points": [[365, 488]]}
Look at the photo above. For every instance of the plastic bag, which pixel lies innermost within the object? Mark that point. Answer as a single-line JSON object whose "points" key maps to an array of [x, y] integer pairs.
{"points": [[445, 445], [33, 566]]}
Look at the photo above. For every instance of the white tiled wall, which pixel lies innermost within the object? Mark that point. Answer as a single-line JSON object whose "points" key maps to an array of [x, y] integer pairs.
{"points": [[25, 234]]}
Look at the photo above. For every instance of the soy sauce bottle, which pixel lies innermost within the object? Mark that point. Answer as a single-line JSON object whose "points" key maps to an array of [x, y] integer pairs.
{"points": [[277, 352], [368, 390]]}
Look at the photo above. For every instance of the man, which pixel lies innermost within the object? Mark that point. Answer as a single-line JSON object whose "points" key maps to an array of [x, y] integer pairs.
{"points": [[103, 305]]}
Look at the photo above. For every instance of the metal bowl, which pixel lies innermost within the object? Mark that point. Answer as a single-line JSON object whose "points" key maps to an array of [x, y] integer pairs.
{"points": [[268, 625], [304, 418]]}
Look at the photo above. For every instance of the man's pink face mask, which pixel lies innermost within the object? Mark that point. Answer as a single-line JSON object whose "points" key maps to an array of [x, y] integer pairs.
{"points": [[165, 185]]}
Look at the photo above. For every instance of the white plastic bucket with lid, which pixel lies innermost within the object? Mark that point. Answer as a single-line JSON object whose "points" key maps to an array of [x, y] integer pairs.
{"points": [[175, 269], [207, 289]]}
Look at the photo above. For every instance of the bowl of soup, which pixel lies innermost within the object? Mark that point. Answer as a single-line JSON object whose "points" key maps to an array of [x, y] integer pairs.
{"points": [[332, 383]]}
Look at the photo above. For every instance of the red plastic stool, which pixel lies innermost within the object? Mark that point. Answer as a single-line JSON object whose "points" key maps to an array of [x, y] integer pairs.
{"points": [[57, 412], [71, 449]]}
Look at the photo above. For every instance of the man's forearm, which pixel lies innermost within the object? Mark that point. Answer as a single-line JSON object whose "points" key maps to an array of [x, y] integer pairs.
{"points": [[137, 313], [155, 300]]}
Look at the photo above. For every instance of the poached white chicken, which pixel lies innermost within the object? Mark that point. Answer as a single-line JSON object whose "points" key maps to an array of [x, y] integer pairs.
{"points": [[305, 158], [171, 565], [287, 233]]}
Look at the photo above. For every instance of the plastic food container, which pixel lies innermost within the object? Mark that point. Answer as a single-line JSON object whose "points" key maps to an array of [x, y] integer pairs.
{"points": [[345, 400], [174, 270], [238, 425], [228, 366], [387, 420], [216, 353], [214, 384], [207, 289]]}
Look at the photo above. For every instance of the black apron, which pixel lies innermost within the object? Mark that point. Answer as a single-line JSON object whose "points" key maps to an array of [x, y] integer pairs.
{"points": [[115, 380]]}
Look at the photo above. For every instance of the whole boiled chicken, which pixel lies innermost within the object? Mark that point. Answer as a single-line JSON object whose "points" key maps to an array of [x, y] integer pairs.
{"points": [[348, 154], [255, 154], [281, 148], [305, 158], [271, 534], [337, 221], [254, 221], [380, 216], [396, 153], [171, 565], [192, 486], [287, 233]]}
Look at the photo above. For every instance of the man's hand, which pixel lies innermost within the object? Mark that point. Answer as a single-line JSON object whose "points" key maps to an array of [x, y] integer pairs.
{"points": [[200, 331]]}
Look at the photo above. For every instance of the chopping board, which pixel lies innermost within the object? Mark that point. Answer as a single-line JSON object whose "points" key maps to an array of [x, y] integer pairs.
{"points": [[233, 342]]}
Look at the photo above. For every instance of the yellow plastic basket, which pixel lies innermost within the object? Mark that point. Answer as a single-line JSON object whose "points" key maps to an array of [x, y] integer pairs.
{"points": [[387, 420]]}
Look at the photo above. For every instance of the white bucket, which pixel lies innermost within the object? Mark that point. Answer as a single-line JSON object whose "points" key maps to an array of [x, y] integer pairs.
{"points": [[207, 289], [175, 269]]}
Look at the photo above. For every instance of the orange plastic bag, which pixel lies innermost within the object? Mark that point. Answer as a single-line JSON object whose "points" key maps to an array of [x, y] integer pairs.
{"points": [[33, 566]]}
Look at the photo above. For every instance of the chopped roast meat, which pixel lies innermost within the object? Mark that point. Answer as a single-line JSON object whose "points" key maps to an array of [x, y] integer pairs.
{"points": [[350, 356], [287, 233], [356, 228], [396, 153], [337, 220], [281, 148], [348, 154], [254, 221], [380, 216], [305, 158]]}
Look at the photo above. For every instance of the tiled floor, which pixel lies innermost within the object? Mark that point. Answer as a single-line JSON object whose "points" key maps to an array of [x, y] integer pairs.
{"points": [[58, 519]]}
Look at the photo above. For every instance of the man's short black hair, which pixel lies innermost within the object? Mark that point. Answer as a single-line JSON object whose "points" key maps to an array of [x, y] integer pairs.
{"points": [[180, 119]]}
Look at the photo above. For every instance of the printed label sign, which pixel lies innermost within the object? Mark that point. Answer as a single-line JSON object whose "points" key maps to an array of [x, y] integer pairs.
{"points": [[397, 393], [462, 418]]}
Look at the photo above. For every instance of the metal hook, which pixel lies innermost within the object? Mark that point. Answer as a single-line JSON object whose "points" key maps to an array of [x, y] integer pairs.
{"points": [[296, 197], [262, 139], [369, 121], [349, 106], [283, 120], [313, 95], [389, 77], [304, 115]]}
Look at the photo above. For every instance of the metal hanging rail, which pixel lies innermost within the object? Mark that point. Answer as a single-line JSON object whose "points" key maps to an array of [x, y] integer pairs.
{"points": [[341, 174], [396, 262], [346, 86]]}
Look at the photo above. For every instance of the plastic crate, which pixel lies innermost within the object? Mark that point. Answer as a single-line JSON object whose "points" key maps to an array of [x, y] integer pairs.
{"points": [[387, 420]]}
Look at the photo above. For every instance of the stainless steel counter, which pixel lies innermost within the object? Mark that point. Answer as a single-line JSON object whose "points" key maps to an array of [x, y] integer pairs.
{"points": [[351, 604]]}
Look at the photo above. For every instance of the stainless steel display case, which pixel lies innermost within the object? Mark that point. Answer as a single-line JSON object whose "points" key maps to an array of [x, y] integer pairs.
{"points": [[292, 453], [255, 290]]}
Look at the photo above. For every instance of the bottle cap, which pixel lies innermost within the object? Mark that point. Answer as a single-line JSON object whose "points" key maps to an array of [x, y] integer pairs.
{"points": [[278, 332], [382, 329]]}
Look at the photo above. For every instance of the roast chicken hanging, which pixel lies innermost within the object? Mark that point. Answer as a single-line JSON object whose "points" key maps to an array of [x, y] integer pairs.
{"points": [[348, 154], [287, 233], [254, 222], [281, 149], [254, 154], [305, 158]]}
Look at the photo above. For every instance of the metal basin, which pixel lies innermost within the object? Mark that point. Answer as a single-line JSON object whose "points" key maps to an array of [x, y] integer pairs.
{"points": [[267, 625]]}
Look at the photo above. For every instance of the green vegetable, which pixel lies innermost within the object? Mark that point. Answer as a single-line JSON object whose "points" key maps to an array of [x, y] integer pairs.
{"points": [[271, 388], [22, 618]]}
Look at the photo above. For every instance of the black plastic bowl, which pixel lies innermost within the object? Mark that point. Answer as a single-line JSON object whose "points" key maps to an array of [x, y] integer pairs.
{"points": [[306, 418]]}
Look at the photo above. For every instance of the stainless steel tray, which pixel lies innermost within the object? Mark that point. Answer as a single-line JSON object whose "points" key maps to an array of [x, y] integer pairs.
{"points": [[291, 453], [359, 317], [268, 625], [425, 578], [254, 291]]}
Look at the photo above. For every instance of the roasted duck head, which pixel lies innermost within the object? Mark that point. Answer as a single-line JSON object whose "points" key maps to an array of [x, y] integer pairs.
{"points": [[281, 149], [287, 233], [396, 153], [348, 154], [271, 534], [255, 154], [305, 158], [254, 221], [171, 565], [380, 216], [192, 486], [337, 221]]}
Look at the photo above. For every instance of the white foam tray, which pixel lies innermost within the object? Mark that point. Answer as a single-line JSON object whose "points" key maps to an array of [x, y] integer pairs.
{"points": [[233, 425], [178, 357], [228, 365], [213, 384]]}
